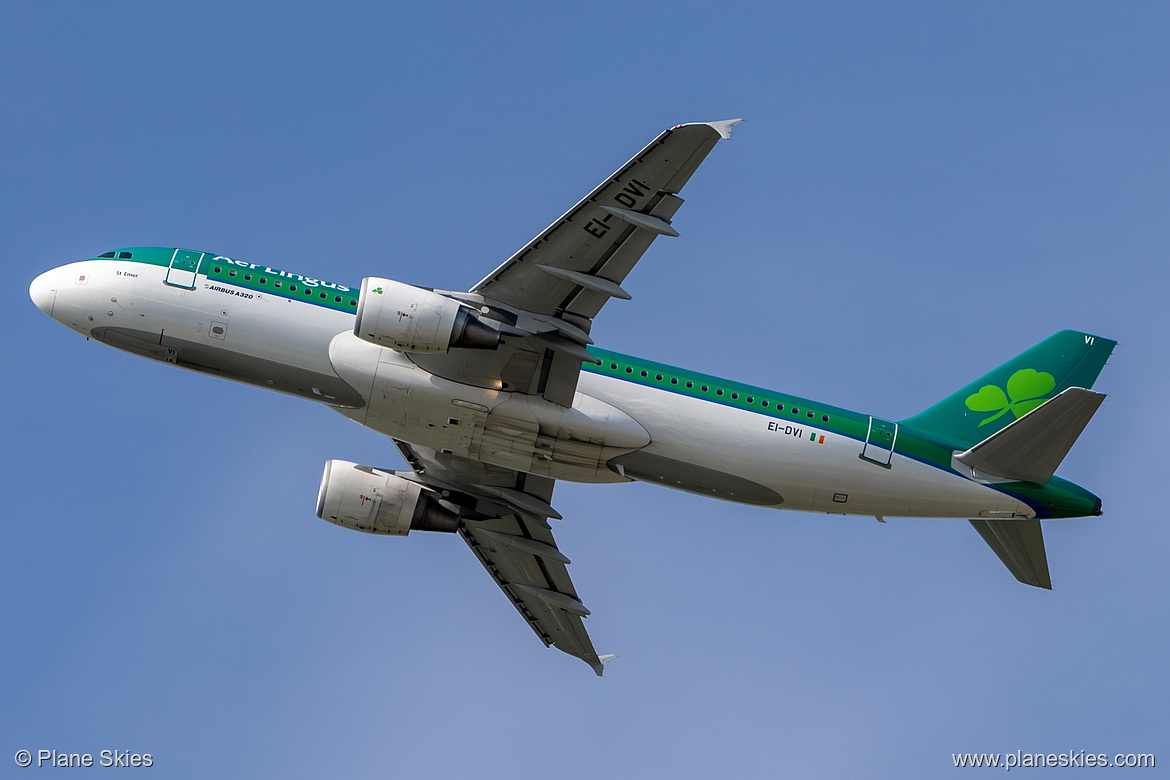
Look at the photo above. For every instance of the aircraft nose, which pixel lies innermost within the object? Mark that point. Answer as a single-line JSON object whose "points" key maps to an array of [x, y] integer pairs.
{"points": [[43, 292]]}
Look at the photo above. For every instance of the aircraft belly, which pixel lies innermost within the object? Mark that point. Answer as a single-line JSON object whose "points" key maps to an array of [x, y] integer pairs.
{"points": [[232, 365], [513, 430], [759, 454]]}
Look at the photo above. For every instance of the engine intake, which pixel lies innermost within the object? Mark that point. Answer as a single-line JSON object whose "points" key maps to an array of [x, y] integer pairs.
{"points": [[379, 502], [411, 319]]}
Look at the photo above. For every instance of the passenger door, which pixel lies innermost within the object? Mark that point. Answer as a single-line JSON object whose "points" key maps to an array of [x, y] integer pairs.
{"points": [[184, 267]]}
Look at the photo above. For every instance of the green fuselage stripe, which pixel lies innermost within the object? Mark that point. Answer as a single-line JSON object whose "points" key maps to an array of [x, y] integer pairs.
{"points": [[252, 276]]}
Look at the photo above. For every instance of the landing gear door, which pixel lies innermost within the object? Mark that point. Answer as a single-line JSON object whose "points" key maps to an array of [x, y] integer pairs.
{"points": [[184, 266], [879, 442]]}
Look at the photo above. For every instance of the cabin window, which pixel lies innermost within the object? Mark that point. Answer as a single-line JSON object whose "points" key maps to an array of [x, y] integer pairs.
{"points": [[674, 381], [735, 396], [218, 270], [263, 280], [795, 410], [292, 288], [232, 273], [336, 299], [645, 373], [703, 388], [324, 295], [811, 415], [352, 302], [719, 392], [629, 370], [690, 384], [751, 400], [824, 418], [308, 291], [247, 277], [124, 255], [764, 403], [612, 366], [277, 284], [107, 254], [658, 377], [779, 407]]}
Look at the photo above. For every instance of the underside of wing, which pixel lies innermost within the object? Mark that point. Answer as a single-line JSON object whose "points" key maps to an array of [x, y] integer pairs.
{"points": [[545, 296], [522, 557], [505, 523], [578, 263]]}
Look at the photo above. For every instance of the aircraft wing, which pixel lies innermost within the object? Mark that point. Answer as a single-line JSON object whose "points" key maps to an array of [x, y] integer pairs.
{"points": [[508, 530], [578, 263], [548, 293]]}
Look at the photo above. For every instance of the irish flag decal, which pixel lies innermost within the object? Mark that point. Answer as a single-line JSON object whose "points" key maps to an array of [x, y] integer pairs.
{"points": [[816, 439]]}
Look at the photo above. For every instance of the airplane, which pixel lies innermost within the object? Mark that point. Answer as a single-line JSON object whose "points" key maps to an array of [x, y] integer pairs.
{"points": [[493, 394]]}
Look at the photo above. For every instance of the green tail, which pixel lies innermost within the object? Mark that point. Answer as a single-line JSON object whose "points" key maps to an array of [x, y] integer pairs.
{"points": [[1067, 359]]}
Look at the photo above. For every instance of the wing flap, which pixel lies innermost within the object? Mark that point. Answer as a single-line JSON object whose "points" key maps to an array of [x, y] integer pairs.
{"points": [[506, 526], [523, 559]]}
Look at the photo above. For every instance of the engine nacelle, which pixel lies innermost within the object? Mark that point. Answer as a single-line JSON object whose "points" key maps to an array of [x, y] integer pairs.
{"points": [[411, 319], [379, 502]]}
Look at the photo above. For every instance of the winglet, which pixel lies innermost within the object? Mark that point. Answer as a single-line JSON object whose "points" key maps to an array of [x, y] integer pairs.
{"points": [[602, 660], [723, 127]]}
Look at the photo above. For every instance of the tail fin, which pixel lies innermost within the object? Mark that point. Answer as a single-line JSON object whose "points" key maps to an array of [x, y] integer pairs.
{"points": [[987, 405]]}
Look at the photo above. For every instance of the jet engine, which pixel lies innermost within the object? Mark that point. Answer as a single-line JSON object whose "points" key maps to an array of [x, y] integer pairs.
{"points": [[379, 502], [411, 319]]}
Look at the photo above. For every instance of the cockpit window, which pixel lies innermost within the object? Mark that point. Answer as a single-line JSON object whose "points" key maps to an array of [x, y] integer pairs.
{"points": [[125, 255], [107, 254]]}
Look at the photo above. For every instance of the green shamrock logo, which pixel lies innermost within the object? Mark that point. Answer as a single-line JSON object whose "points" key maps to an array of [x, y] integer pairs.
{"points": [[377, 290], [1025, 391]]}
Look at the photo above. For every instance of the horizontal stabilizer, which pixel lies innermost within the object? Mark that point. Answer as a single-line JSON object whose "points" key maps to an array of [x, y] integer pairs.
{"points": [[1020, 545], [1032, 447]]}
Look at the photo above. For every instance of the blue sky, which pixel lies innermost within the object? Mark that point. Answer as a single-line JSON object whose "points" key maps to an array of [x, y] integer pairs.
{"points": [[920, 192]]}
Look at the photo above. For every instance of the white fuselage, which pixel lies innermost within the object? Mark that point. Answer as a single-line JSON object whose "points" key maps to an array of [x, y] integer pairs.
{"points": [[615, 431]]}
